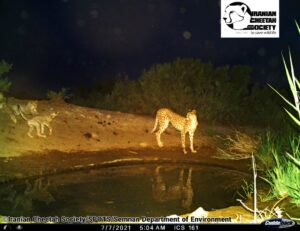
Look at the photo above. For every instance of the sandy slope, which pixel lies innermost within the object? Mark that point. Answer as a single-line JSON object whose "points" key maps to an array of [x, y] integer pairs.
{"points": [[79, 129]]}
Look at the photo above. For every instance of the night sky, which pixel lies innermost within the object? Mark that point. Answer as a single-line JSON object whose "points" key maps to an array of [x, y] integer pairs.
{"points": [[67, 43]]}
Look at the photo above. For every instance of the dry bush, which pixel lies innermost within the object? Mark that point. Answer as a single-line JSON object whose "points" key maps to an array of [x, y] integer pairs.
{"points": [[240, 146]]}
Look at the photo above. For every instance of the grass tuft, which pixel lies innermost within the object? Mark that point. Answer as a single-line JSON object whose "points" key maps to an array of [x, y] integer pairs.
{"points": [[284, 176]]}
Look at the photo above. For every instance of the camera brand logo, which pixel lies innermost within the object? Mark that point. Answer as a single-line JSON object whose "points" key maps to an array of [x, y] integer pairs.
{"points": [[279, 223], [250, 19]]}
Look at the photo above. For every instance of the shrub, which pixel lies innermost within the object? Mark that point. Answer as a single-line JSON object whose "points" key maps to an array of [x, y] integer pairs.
{"points": [[4, 83], [284, 177], [61, 95], [219, 94], [272, 142]]}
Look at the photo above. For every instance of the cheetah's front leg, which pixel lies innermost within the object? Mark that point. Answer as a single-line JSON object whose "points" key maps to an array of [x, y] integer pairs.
{"points": [[30, 131], [183, 142], [50, 128], [191, 134], [40, 131]]}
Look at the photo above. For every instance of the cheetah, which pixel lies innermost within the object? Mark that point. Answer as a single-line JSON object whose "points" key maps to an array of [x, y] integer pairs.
{"points": [[39, 123], [185, 125], [18, 109]]}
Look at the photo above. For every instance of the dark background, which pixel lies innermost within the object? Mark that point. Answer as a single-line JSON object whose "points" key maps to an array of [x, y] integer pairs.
{"points": [[69, 43]]}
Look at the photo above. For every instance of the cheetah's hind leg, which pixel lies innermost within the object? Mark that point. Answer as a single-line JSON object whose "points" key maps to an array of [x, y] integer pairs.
{"points": [[162, 127]]}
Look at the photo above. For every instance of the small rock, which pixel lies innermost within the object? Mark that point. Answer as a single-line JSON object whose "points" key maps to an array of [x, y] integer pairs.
{"points": [[88, 135], [108, 116], [6, 160], [94, 135], [91, 135], [109, 202], [200, 212], [143, 144]]}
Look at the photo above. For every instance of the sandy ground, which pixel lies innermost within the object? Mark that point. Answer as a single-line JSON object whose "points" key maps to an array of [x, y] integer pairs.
{"points": [[78, 129]]}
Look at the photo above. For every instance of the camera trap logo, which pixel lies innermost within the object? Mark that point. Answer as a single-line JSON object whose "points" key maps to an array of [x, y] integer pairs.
{"points": [[250, 19]]}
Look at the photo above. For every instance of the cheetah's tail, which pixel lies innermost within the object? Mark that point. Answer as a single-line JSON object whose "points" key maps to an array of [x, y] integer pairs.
{"points": [[155, 125]]}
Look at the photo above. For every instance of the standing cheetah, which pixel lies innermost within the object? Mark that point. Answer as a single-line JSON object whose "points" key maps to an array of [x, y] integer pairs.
{"points": [[183, 124]]}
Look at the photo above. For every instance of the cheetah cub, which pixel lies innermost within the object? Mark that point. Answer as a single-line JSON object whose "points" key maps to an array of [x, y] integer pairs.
{"points": [[22, 109], [185, 125], [39, 123]]}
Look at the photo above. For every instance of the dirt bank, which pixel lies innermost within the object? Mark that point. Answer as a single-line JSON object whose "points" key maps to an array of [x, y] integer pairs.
{"points": [[78, 129]]}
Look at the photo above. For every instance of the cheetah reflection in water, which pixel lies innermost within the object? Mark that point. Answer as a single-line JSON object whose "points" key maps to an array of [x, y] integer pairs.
{"points": [[181, 190]]}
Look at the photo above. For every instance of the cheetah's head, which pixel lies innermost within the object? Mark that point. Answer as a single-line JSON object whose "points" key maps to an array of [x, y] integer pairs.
{"points": [[32, 106], [191, 115], [54, 114]]}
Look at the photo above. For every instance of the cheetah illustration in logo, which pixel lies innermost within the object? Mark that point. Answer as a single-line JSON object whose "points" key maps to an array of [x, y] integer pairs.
{"points": [[237, 16]]}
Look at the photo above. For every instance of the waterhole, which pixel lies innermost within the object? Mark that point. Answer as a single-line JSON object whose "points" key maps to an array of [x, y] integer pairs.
{"points": [[145, 190]]}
